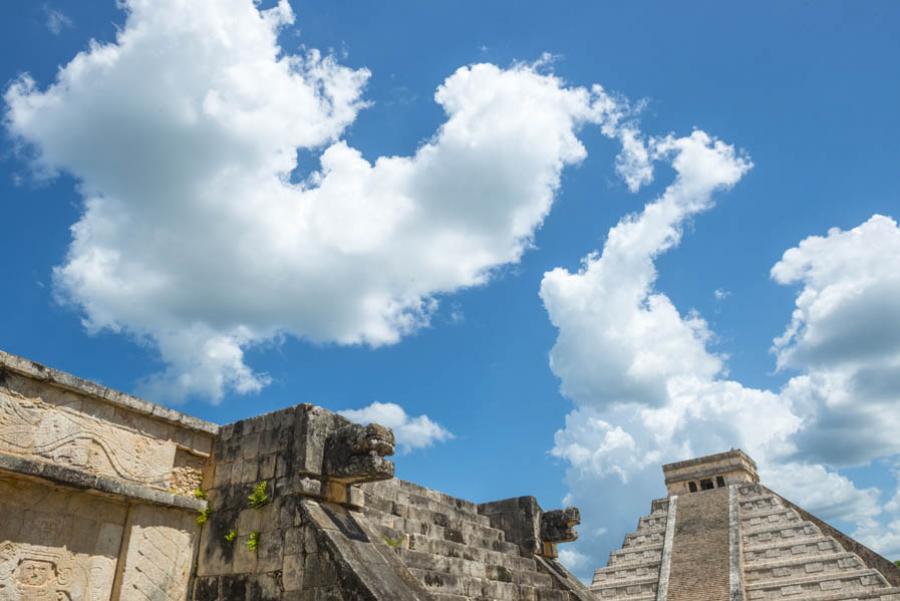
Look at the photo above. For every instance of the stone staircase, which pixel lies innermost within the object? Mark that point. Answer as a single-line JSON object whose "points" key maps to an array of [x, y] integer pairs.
{"points": [[452, 549], [786, 557], [632, 572]]}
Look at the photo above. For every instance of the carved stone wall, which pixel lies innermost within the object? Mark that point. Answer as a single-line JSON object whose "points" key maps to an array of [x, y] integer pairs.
{"points": [[160, 548], [96, 490], [56, 546], [68, 428]]}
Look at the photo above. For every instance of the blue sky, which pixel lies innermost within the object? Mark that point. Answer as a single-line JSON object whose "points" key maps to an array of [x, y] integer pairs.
{"points": [[807, 92]]}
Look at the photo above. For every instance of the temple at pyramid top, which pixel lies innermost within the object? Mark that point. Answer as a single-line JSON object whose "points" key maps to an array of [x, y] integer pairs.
{"points": [[721, 535], [712, 471]]}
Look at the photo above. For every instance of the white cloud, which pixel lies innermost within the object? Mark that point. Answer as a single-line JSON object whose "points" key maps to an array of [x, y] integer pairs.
{"points": [[574, 560], [57, 20], [845, 335], [648, 390], [846, 313], [721, 294], [618, 341], [184, 136], [410, 432]]}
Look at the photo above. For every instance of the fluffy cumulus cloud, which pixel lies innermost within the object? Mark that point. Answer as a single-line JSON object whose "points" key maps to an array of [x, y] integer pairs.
{"points": [[648, 389], [410, 432], [200, 238], [845, 334]]}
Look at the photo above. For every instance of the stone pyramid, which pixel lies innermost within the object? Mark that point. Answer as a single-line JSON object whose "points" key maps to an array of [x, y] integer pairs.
{"points": [[720, 535]]}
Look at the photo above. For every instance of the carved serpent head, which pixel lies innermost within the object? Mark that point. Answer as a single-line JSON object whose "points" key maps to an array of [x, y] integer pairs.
{"points": [[558, 526], [356, 453]]}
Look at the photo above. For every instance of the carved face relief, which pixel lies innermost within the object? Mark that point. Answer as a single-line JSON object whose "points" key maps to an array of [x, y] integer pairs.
{"points": [[33, 574]]}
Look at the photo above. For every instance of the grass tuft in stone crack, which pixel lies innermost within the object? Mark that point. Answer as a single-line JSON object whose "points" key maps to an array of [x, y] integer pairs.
{"points": [[199, 494], [260, 495], [253, 541], [231, 535], [393, 543], [203, 516]]}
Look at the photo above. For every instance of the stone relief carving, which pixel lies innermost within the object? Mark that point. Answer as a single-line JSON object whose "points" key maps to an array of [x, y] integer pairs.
{"points": [[33, 574], [558, 525], [32, 427], [159, 556], [357, 453]]}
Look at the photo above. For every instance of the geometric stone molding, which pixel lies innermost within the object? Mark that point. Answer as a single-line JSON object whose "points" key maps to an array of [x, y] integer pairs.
{"points": [[160, 545]]}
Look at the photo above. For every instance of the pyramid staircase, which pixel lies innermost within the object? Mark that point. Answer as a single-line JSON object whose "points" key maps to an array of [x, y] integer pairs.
{"points": [[632, 572], [454, 551], [788, 557]]}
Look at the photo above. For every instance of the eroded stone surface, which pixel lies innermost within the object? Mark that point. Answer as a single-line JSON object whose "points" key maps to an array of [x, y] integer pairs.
{"points": [[56, 546], [160, 552]]}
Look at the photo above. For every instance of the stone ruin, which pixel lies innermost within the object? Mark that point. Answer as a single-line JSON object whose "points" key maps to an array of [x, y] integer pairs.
{"points": [[105, 497], [721, 535]]}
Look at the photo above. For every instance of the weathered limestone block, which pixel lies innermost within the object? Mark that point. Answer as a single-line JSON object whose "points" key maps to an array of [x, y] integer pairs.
{"points": [[160, 548], [55, 544], [31, 427], [56, 418], [519, 518]]}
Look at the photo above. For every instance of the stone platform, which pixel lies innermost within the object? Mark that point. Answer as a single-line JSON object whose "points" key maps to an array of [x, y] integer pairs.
{"points": [[105, 497]]}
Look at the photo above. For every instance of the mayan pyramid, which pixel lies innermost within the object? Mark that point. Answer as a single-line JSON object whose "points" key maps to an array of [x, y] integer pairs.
{"points": [[720, 535]]}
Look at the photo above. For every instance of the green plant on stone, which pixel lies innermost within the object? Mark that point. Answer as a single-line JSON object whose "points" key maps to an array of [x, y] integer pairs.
{"points": [[897, 563], [260, 495], [203, 515], [199, 494], [393, 543], [253, 541], [231, 535]]}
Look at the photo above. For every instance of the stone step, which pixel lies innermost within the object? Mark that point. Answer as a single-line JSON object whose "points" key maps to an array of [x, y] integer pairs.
{"points": [[473, 569], [766, 513], [439, 583], [783, 519], [627, 590], [637, 539], [432, 512], [403, 529], [882, 594], [778, 532], [792, 547], [816, 587], [416, 492], [391, 501], [407, 493], [659, 506], [621, 572], [502, 553], [794, 567], [649, 597], [456, 530], [645, 553], [758, 501], [652, 522]]}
